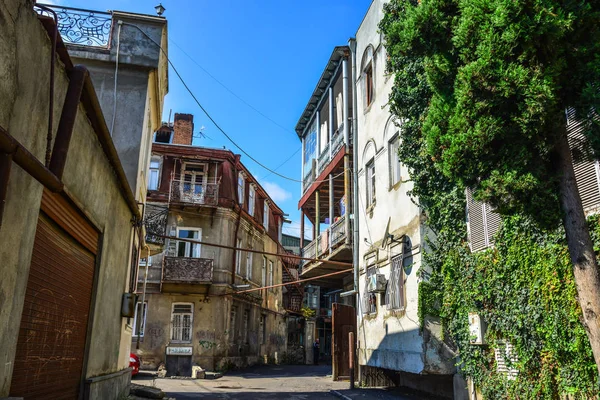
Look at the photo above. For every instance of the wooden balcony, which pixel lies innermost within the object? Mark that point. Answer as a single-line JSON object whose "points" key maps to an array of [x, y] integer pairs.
{"points": [[194, 194], [187, 275]]}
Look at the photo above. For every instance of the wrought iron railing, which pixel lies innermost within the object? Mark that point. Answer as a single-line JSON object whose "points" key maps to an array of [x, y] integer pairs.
{"points": [[187, 270], [338, 231], [309, 178], [156, 224], [323, 159], [80, 26], [337, 141], [194, 193]]}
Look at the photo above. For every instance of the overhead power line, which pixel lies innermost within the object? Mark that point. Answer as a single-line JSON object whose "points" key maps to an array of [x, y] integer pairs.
{"points": [[210, 117]]}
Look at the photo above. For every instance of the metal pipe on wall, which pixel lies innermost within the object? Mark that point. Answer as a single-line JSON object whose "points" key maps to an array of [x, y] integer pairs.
{"points": [[346, 113]]}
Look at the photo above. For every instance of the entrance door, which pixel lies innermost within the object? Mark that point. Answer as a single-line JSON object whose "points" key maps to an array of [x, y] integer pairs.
{"points": [[343, 322], [179, 365], [52, 335]]}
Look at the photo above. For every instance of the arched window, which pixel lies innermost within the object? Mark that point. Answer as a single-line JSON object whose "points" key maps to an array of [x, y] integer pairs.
{"points": [[367, 68]]}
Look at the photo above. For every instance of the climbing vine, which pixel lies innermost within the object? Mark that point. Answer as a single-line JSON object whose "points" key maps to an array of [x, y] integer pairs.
{"points": [[523, 287]]}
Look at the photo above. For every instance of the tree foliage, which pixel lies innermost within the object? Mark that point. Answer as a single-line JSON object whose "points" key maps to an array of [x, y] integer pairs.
{"points": [[479, 89]]}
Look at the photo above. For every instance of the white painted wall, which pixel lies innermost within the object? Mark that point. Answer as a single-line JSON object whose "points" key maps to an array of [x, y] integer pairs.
{"points": [[390, 339]]}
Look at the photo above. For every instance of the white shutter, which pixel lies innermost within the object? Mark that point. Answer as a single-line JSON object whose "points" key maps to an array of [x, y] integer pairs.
{"points": [[586, 168], [492, 224], [475, 225], [506, 352]]}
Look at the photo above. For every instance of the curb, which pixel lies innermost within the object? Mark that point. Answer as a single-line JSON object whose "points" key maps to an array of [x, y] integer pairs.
{"points": [[340, 395]]}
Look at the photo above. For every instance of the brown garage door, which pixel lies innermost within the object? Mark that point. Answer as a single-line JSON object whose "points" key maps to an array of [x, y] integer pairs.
{"points": [[51, 343]]}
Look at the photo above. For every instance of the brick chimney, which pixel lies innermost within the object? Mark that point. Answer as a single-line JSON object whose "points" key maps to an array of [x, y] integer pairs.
{"points": [[183, 129]]}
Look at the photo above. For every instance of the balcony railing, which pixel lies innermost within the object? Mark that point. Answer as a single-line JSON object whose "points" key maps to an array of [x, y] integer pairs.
{"points": [[187, 270], [309, 178], [323, 158], [193, 193], [324, 245], [80, 26], [337, 141], [155, 222]]}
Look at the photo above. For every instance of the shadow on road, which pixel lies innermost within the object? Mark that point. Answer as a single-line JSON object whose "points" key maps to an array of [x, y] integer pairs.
{"points": [[276, 371], [250, 395]]}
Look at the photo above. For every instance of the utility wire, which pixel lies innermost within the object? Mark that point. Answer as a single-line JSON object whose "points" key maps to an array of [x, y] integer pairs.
{"points": [[210, 117], [229, 90]]}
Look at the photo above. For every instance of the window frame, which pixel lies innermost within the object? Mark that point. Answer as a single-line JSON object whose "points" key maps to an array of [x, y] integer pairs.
{"points": [[264, 272], [369, 85], [394, 294], [249, 260], [370, 182], [271, 274], [238, 257], [193, 176], [135, 315], [251, 199], [156, 170], [241, 183], [266, 210], [191, 326], [394, 161], [189, 247], [369, 299]]}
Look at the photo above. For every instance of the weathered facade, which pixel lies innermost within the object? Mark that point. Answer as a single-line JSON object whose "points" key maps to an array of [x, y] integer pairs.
{"points": [[391, 342], [325, 131], [66, 233], [193, 315]]}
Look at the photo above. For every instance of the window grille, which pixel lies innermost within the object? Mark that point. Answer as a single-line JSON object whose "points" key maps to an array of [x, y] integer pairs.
{"points": [[394, 296], [182, 318]]}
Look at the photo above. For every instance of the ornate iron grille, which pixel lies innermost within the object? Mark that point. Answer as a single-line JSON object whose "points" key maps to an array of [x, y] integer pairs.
{"points": [[188, 270], [156, 224], [79, 26]]}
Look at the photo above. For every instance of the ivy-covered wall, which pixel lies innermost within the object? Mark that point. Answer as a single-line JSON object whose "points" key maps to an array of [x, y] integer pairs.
{"points": [[524, 289]]}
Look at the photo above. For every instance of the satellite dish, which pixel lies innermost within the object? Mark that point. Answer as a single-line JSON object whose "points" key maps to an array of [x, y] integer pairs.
{"points": [[387, 236]]}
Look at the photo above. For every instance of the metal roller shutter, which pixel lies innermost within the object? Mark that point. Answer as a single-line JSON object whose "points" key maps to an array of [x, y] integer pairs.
{"points": [[52, 335]]}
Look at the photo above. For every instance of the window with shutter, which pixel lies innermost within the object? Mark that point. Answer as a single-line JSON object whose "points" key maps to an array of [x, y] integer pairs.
{"points": [[482, 223], [587, 169], [394, 296], [181, 322]]}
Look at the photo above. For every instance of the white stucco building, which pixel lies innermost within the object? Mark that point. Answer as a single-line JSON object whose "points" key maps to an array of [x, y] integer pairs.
{"points": [[392, 346]]}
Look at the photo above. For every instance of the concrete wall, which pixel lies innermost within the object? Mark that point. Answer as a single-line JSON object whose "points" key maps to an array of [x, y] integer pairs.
{"points": [[389, 339], [141, 87], [89, 180]]}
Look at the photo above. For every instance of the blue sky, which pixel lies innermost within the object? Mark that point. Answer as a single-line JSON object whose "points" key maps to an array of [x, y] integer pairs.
{"points": [[270, 53]]}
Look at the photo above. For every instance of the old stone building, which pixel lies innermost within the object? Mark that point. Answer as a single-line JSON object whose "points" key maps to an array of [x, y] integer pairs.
{"points": [[192, 311]]}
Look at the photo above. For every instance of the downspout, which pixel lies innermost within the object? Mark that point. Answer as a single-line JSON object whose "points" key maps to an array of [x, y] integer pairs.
{"points": [[346, 113], [141, 315], [237, 228], [355, 214]]}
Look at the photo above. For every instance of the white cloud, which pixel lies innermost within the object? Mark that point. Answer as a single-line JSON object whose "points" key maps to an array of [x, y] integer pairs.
{"points": [[277, 193]]}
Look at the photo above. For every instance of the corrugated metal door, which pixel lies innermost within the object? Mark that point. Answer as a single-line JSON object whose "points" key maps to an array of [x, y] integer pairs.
{"points": [[51, 343], [343, 322]]}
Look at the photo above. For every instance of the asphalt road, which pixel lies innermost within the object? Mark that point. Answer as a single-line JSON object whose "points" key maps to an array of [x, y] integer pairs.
{"points": [[296, 382]]}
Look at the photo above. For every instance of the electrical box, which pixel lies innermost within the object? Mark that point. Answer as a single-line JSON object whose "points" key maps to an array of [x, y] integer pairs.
{"points": [[128, 305], [477, 328], [376, 283]]}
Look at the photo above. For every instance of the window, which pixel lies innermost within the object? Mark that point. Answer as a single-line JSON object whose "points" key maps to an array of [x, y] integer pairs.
{"points": [[246, 323], [266, 216], [251, 195], [194, 180], [271, 273], [369, 92], [238, 257], [262, 329], [139, 324], [264, 272], [187, 249], [181, 322], [249, 265], [394, 160], [163, 136], [369, 299], [394, 295], [241, 182], [154, 173], [312, 297], [232, 318], [370, 174]]}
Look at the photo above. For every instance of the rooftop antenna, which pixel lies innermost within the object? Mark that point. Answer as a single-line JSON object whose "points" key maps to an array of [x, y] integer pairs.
{"points": [[169, 120]]}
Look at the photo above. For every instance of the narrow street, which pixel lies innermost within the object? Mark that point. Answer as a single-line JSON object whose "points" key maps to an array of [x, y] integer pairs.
{"points": [[268, 382]]}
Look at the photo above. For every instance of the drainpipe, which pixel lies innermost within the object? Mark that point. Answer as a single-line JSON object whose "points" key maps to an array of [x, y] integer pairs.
{"points": [[141, 314], [237, 226], [346, 113], [355, 213]]}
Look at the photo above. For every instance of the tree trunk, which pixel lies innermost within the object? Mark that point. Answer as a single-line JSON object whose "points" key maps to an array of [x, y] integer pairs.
{"points": [[581, 249]]}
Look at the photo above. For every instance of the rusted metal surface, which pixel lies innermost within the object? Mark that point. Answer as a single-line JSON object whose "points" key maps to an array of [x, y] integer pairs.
{"points": [[206, 194], [28, 162], [343, 322], [188, 270], [58, 207], [155, 221], [5, 165], [51, 343], [77, 77]]}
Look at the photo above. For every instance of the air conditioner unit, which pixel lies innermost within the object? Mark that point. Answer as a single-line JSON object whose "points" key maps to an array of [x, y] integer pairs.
{"points": [[376, 283]]}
